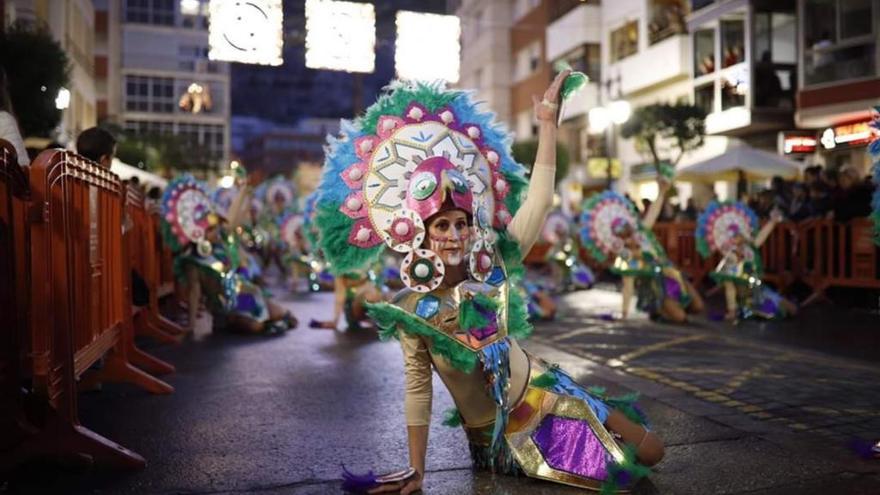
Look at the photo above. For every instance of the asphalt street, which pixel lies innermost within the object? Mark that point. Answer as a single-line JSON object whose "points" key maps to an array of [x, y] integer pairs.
{"points": [[745, 409]]}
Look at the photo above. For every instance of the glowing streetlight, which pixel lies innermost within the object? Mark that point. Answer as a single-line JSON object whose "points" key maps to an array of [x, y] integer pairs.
{"points": [[620, 111], [600, 119], [227, 181], [62, 101]]}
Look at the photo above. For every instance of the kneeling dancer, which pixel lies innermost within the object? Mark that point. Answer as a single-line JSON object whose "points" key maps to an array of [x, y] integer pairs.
{"points": [[428, 175]]}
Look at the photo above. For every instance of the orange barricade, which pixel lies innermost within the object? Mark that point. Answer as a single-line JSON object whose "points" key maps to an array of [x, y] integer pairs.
{"points": [[838, 255], [14, 282], [138, 241], [145, 252], [81, 286], [680, 244]]}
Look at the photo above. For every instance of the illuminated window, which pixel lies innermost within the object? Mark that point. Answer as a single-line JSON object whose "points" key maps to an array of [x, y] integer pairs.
{"points": [[159, 12], [625, 41], [840, 40]]}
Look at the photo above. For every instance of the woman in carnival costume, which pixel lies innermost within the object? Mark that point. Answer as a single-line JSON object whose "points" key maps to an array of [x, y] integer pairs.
{"points": [[611, 229], [352, 291], [208, 253], [426, 174], [730, 229]]}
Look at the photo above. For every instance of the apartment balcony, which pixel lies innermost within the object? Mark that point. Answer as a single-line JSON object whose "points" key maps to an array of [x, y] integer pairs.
{"points": [[659, 63], [580, 26]]}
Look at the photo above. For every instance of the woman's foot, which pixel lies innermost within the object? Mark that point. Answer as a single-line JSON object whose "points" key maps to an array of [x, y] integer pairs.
{"points": [[322, 325]]}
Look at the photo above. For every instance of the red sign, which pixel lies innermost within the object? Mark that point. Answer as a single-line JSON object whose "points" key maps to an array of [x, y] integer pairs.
{"points": [[853, 134], [795, 143]]}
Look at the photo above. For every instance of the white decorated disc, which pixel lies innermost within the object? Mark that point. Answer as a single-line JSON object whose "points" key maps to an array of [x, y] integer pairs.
{"points": [[430, 258], [395, 158], [189, 202]]}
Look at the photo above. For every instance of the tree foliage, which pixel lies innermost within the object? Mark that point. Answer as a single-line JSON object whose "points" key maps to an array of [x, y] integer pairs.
{"points": [[524, 152], [666, 131], [37, 68]]}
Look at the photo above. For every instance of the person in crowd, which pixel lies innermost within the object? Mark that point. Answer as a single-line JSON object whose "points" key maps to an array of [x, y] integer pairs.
{"points": [[689, 213], [9, 130], [731, 229], [819, 200], [812, 175], [780, 193], [798, 207], [98, 145], [853, 198], [462, 311]]}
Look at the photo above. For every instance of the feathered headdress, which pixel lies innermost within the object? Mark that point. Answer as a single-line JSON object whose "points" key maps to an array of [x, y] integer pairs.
{"points": [[606, 219], [187, 212], [720, 224], [419, 146]]}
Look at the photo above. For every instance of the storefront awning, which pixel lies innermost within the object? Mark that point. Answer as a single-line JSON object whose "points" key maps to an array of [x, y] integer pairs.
{"points": [[739, 157]]}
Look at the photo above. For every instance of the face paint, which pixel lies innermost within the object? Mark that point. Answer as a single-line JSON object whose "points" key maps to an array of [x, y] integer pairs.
{"points": [[448, 236]]}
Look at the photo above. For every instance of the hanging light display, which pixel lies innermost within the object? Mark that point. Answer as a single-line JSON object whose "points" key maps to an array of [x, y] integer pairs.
{"points": [[427, 46], [340, 36], [246, 32]]}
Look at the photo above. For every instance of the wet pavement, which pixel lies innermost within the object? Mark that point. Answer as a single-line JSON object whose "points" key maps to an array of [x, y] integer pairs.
{"points": [[741, 409]]}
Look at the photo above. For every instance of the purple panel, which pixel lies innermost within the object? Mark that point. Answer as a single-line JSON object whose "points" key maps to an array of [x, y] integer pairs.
{"points": [[570, 445], [672, 288]]}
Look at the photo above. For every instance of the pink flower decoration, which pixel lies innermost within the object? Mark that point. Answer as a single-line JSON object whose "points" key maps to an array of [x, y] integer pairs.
{"points": [[354, 205], [502, 216], [500, 186], [388, 124], [362, 234], [364, 146], [354, 175], [415, 113], [402, 230]]}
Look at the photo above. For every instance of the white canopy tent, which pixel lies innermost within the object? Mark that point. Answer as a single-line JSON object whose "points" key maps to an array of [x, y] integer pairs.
{"points": [[741, 158], [126, 171]]}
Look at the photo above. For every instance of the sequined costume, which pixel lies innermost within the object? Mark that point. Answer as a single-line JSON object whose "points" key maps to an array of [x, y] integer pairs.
{"points": [[418, 148], [227, 281], [730, 229], [611, 229]]}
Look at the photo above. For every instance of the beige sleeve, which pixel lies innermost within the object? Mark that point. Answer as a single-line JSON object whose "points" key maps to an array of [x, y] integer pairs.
{"points": [[527, 223], [419, 391]]}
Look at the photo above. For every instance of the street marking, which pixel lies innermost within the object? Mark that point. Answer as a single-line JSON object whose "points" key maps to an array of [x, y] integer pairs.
{"points": [[661, 345]]}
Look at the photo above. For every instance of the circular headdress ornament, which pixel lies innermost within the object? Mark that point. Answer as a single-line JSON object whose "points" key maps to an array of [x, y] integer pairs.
{"points": [[721, 223], [291, 228], [187, 211], [422, 270], [608, 219], [276, 191], [556, 229], [223, 198], [418, 150]]}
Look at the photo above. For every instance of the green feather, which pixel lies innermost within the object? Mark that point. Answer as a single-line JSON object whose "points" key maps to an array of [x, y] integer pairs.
{"points": [[399, 96], [469, 317], [629, 465], [518, 325], [545, 380], [389, 317], [575, 82], [452, 418], [343, 257]]}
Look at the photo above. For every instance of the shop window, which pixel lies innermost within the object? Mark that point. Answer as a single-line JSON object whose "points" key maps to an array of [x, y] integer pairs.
{"points": [[856, 18], [839, 40], [586, 59], [667, 19], [625, 41], [732, 43], [704, 97], [704, 52]]}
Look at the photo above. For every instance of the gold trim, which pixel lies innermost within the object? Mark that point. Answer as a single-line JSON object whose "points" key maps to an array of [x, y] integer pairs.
{"points": [[527, 453]]}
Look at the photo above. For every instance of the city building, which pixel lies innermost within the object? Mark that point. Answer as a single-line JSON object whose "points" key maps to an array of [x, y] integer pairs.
{"points": [[530, 70], [160, 81], [839, 80], [72, 24], [485, 52], [269, 148]]}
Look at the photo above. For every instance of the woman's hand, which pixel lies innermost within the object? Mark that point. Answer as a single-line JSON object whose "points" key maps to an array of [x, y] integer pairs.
{"points": [[546, 109]]}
